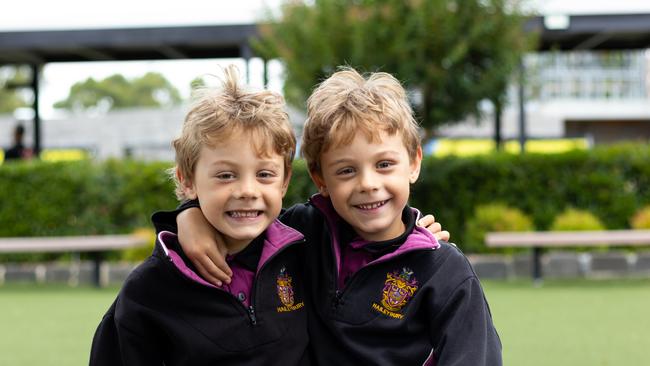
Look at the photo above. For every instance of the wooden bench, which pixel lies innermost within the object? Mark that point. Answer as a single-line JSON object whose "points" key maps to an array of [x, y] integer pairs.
{"points": [[96, 244], [559, 239]]}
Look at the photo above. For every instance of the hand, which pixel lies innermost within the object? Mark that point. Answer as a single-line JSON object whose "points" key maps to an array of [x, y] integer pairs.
{"points": [[204, 246], [429, 222]]}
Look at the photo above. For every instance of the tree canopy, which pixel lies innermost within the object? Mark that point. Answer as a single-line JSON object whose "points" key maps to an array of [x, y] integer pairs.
{"points": [[10, 98], [450, 54], [116, 91]]}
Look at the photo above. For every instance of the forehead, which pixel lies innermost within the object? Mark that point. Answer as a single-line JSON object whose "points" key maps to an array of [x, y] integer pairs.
{"points": [[239, 148], [377, 139], [362, 148], [239, 139]]}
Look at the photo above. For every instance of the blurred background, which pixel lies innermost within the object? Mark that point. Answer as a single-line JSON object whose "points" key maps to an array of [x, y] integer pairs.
{"points": [[535, 117]]}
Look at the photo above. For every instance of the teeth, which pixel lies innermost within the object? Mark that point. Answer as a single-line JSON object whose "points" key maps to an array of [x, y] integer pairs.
{"points": [[239, 214], [372, 205]]}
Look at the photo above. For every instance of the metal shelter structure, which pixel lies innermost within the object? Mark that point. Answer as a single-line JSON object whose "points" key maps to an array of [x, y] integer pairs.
{"points": [[583, 33], [37, 48]]}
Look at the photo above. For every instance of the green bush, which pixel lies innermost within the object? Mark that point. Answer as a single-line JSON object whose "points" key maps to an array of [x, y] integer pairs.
{"points": [[610, 181], [641, 219], [141, 253], [79, 198], [576, 220], [493, 217], [86, 197]]}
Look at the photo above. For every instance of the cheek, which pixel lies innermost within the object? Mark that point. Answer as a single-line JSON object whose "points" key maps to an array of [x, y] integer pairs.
{"points": [[337, 193]]}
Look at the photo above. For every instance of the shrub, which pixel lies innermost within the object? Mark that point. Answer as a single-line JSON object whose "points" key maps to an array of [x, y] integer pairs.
{"points": [[573, 219], [118, 196], [641, 219], [141, 253], [493, 217]]}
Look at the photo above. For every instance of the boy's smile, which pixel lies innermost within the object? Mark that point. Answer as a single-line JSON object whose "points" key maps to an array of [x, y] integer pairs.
{"points": [[239, 190], [368, 183]]}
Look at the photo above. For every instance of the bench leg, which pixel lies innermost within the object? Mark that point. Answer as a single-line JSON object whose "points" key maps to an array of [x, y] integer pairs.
{"points": [[537, 266], [97, 265]]}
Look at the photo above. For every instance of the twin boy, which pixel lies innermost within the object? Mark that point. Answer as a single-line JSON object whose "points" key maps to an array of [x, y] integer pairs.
{"points": [[347, 278]]}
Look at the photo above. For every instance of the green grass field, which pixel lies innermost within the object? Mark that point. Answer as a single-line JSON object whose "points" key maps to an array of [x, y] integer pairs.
{"points": [[595, 323]]}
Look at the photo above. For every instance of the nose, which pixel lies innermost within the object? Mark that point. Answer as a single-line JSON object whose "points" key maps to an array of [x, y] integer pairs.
{"points": [[246, 189], [368, 181]]}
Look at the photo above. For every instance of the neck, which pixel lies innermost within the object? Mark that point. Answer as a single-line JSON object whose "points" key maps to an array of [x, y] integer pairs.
{"points": [[392, 233], [234, 246]]}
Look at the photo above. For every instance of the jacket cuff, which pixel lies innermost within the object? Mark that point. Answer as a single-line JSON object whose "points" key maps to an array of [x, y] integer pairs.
{"points": [[166, 220]]}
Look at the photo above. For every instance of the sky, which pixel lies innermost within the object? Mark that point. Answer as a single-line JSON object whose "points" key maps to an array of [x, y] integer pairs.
{"points": [[17, 15]]}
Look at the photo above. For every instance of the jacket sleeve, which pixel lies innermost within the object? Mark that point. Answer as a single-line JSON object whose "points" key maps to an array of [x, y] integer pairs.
{"points": [[105, 348], [462, 331], [125, 343], [166, 220]]}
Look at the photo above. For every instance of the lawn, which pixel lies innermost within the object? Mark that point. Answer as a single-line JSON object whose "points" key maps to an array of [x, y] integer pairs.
{"points": [[595, 323]]}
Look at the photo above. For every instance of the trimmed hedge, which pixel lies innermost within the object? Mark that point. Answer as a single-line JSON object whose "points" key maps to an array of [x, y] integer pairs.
{"points": [[85, 197], [611, 182]]}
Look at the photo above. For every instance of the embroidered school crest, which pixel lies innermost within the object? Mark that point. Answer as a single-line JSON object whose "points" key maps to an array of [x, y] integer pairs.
{"points": [[285, 290], [286, 293], [398, 290]]}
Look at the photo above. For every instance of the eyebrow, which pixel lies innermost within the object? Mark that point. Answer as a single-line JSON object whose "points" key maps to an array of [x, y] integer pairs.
{"points": [[379, 154], [235, 163]]}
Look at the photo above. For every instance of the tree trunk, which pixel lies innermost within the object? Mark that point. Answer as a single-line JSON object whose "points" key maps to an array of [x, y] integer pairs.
{"points": [[498, 140], [427, 125]]}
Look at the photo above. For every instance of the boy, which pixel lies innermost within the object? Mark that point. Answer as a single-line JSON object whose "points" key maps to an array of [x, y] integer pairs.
{"points": [[234, 155], [381, 291]]}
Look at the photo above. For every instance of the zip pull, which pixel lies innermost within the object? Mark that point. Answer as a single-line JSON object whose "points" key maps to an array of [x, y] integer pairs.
{"points": [[251, 315], [337, 299]]}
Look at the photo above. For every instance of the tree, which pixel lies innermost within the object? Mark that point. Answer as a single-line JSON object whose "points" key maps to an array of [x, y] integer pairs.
{"points": [[452, 54], [115, 91], [10, 99]]}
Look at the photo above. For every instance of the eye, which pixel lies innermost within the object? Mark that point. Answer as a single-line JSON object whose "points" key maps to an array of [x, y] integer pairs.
{"points": [[266, 174], [384, 164], [225, 176], [345, 171]]}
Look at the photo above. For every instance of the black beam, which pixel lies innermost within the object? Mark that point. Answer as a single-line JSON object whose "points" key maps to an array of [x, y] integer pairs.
{"points": [[36, 70]]}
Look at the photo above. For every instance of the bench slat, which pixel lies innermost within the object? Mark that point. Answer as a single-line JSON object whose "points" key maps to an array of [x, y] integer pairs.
{"points": [[568, 238], [70, 243]]}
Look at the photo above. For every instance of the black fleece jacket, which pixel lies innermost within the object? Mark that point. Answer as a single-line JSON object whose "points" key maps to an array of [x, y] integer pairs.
{"points": [[444, 321], [164, 317]]}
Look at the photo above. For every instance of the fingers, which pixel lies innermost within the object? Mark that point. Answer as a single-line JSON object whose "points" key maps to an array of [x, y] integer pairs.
{"points": [[219, 268], [429, 222], [442, 235], [426, 221], [210, 272]]}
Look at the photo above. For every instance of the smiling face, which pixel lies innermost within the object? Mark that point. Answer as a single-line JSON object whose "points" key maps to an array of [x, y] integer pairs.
{"points": [[239, 190], [368, 183]]}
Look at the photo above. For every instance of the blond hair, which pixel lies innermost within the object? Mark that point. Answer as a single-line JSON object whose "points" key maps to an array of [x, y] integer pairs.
{"points": [[218, 114], [346, 103]]}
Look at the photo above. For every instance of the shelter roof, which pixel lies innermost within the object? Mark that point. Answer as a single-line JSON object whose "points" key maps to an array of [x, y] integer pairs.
{"points": [[593, 32], [187, 42], [579, 32]]}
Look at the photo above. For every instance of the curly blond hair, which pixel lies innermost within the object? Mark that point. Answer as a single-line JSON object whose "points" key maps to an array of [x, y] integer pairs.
{"points": [[219, 113], [347, 103]]}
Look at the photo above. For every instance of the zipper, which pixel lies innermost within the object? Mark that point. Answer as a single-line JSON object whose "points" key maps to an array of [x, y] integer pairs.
{"points": [[251, 308], [251, 315], [336, 301]]}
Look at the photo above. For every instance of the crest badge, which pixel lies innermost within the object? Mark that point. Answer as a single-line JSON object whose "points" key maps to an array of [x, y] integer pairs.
{"points": [[398, 289], [285, 292]]}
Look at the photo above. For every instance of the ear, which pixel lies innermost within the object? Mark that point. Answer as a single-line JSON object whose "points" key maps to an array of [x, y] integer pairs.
{"points": [[188, 187], [285, 184], [415, 166], [318, 180]]}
